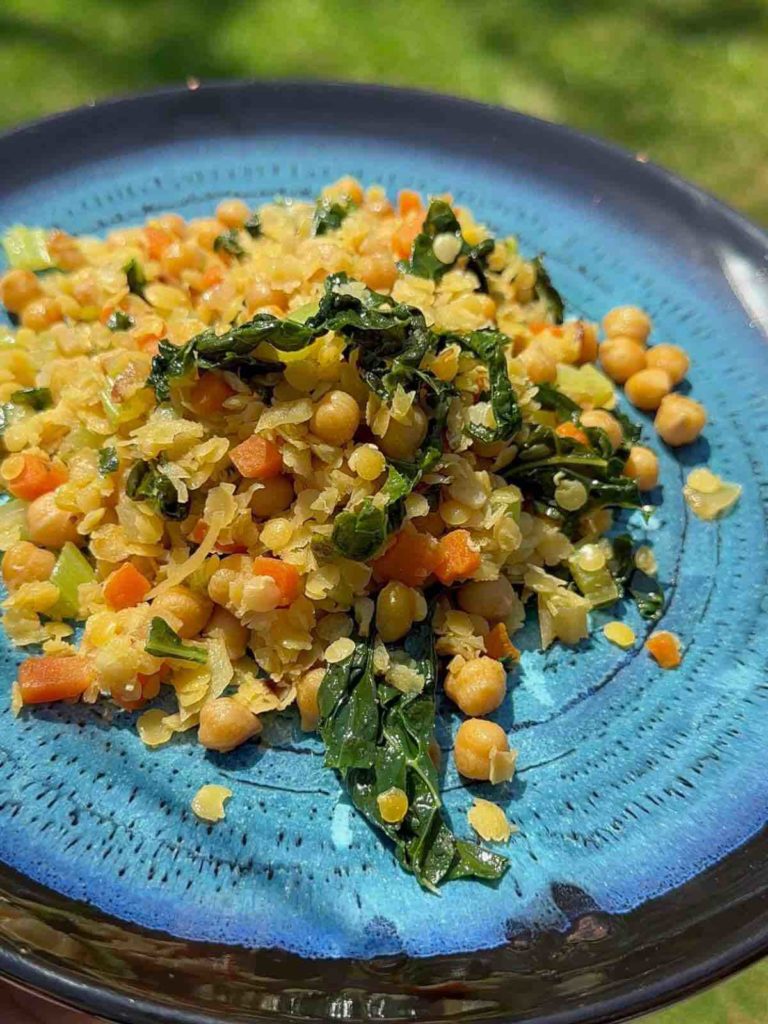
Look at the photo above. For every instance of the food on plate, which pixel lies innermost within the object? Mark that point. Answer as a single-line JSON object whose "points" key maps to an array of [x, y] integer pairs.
{"points": [[324, 454]]}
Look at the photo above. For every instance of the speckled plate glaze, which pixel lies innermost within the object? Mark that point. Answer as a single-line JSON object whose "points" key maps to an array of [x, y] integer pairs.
{"points": [[639, 869]]}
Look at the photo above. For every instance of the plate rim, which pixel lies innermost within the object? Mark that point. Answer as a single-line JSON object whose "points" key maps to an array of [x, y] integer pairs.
{"points": [[82, 992]]}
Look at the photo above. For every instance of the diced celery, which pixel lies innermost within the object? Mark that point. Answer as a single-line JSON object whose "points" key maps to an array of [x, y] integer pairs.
{"points": [[72, 569], [27, 248], [586, 386], [303, 313], [597, 585], [511, 244], [13, 522]]}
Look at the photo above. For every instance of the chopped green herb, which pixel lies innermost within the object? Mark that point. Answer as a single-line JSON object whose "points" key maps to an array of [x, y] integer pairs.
{"points": [[136, 277], [120, 321], [544, 289], [426, 262], [108, 461], [36, 398], [164, 642], [329, 216], [253, 225], [147, 482], [229, 243]]}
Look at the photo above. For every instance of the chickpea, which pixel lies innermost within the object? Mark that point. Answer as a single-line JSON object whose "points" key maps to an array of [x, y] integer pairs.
{"points": [[647, 388], [23, 562], [492, 599], [65, 251], [41, 313], [671, 358], [395, 611], [173, 223], [179, 256], [51, 526], [402, 440], [622, 357], [642, 466], [260, 293], [225, 724], [17, 289], [538, 364], [190, 610], [479, 686], [680, 420], [205, 231], [232, 632], [628, 321], [472, 747], [336, 418], [587, 342], [274, 496], [604, 421], [233, 213], [307, 690], [377, 271]]}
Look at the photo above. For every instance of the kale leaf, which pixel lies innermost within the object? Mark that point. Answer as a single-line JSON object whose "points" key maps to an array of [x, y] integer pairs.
{"points": [[645, 590], [376, 738], [108, 461], [329, 215], [253, 225], [147, 482], [488, 346], [544, 289], [441, 220], [229, 243], [120, 321], [36, 398], [164, 642], [136, 277]]}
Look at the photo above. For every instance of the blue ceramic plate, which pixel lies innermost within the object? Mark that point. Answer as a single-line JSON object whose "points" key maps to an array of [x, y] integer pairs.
{"points": [[639, 869]]}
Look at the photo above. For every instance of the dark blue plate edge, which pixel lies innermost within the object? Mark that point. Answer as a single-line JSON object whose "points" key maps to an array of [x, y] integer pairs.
{"points": [[74, 989]]}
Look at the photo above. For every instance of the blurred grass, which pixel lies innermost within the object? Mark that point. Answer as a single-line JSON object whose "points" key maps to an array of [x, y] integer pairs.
{"points": [[683, 81]]}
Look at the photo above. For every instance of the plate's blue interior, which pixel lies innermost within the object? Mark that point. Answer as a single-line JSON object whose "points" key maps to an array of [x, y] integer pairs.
{"points": [[631, 780]]}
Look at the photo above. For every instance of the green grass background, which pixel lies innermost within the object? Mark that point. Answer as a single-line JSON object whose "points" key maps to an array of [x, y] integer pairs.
{"points": [[683, 81]]}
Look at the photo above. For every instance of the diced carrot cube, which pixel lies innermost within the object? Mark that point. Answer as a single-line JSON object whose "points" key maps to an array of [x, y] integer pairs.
{"points": [[457, 559], [36, 476], [257, 458], [410, 559], [285, 575], [498, 645], [569, 429], [209, 393], [157, 242], [665, 648], [409, 202], [404, 237], [52, 678], [126, 587]]}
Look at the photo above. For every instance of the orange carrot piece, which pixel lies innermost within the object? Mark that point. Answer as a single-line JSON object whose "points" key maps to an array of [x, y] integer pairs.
{"points": [[665, 648], [106, 312], [213, 275], [498, 645], [257, 459], [126, 587], [37, 477], [404, 237], [409, 201], [538, 326], [198, 532], [53, 678], [456, 558], [410, 559], [209, 393], [157, 242], [569, 429], [285, 575]]}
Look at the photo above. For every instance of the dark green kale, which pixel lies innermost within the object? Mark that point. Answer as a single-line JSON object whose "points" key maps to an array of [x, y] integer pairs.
{"points": [[136, 277], [489, 346], [119, 321], [253, 225], [147, 482], [229, 243], [35, 398], [377, 738], [441, 220], [329, 215], [645, 590], [164, 642], [544, 289], [108, 461]]}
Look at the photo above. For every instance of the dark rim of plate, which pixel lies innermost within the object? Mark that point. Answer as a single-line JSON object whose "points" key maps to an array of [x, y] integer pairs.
{"points": [[602, 969]]}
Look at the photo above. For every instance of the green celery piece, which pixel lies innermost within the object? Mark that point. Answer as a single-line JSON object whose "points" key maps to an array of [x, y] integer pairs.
{"points": [[27, 248], [303, 313], [71, 570], [598, 585]]}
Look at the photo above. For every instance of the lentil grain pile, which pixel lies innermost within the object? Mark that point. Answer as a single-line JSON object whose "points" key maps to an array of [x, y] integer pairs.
{"points": [[320, 454]]}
